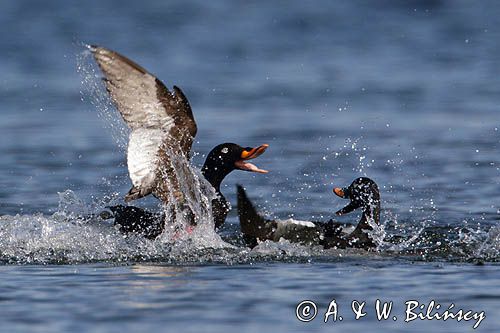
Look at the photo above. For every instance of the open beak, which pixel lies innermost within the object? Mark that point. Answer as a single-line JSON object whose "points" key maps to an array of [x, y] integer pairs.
{"points": [[340, 192], [249, 154], [343, 193]]}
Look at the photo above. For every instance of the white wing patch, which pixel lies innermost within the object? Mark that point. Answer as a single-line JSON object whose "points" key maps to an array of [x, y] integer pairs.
{"points": [[307, 224], [142, 156], [295, 230], [149, 109]]}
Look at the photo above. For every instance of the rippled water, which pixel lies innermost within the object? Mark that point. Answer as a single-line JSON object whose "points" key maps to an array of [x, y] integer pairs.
{"points": [[404, 93]]}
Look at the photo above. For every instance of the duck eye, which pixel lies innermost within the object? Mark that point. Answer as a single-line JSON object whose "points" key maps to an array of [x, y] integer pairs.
{"points": [[225, 150]]}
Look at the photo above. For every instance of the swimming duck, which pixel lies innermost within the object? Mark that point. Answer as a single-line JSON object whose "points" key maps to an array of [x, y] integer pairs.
{"points": [[162, 128], [219, 163], [363, 193]]}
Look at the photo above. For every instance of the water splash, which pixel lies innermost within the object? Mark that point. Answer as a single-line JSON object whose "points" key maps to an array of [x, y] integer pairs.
{"points": [[69, 237], [177, 173], [197, 194], [76, 234], [93, 91], [489, 249]]}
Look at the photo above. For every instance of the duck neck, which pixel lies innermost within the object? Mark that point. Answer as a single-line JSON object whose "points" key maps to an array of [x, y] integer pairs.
{"points": [[220, 206], [213, 176], [371, 216]]}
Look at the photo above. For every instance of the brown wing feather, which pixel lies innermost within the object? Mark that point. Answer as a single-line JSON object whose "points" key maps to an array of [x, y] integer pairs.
{"points": [[162, 123], [143, 100]]}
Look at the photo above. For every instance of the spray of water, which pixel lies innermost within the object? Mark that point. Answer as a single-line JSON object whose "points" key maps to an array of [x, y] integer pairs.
{"points": [[76, 234], [196, 193], [94, 92]]}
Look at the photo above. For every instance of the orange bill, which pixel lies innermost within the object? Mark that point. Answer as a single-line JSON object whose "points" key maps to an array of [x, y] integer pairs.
{"points": [[248, 154], [340, 192]]}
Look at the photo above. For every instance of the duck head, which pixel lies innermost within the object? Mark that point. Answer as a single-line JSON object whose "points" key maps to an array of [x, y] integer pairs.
{"points": [[363, 193], [227, 157]]}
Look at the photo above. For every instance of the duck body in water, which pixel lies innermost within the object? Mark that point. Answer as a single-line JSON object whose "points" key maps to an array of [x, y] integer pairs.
{"points": [[130, 219], [162, 132], [363, 193], [221, 161]]}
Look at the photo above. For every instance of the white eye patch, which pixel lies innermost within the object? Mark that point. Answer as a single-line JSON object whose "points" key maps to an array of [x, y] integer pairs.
{"points": [[224, 150]]}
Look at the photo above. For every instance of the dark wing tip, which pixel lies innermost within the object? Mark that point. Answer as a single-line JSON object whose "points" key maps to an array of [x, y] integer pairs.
{"points": [[179, 95], [185, 107], [135, 193], [178, 91]]}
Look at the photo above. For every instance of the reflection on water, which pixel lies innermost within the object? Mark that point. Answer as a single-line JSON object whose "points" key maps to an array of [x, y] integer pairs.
{"points": [[169, 272], [145, 281]]}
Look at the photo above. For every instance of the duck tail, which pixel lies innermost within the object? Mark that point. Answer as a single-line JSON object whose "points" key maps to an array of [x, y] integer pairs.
{"points": [[252, 225], [249, 218]]}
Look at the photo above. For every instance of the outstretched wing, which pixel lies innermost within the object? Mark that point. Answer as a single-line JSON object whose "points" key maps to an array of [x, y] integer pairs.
{"points": [[142, 99], [156, 116]]}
